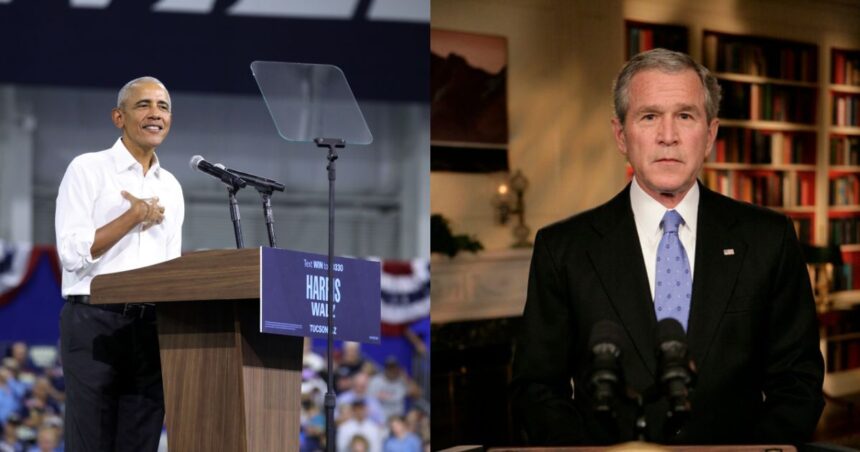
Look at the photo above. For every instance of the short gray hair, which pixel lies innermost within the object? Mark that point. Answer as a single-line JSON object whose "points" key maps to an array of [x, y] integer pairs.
{"points": [[123, 92], [670, 62]]}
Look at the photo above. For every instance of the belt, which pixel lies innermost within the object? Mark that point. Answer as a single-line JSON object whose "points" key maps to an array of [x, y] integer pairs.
{"points": [[139, 310]]}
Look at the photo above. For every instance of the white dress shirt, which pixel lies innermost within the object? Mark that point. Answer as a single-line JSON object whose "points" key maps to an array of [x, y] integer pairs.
{"points": [[371, 431], [90, 196], [648, 213]]}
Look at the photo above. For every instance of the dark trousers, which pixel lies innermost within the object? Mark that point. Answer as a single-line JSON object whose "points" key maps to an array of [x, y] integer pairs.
{"points": [[112, 369]]}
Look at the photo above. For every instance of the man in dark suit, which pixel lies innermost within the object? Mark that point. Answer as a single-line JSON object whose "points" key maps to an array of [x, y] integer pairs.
{"points": [[741, 289]]}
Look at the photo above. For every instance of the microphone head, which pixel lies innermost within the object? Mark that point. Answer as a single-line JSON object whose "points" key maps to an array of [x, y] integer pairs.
{"points": [[606, 332], [605, 379], [195, 161], [669, 330]]}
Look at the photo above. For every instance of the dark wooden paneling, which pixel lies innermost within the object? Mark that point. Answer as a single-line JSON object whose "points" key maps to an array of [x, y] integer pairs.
{"points": [[470, 378]]}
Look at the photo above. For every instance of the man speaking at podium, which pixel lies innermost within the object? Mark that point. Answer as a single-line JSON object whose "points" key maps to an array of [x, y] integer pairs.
{"points": [[117, 210], [741, 290]]}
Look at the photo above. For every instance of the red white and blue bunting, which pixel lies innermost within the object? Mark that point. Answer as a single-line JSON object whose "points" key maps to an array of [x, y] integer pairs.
{"points": [[15, 266], [405, 291]]}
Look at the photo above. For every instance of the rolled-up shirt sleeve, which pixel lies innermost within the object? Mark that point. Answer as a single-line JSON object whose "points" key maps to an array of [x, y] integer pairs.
{"points": [[73, 221]]}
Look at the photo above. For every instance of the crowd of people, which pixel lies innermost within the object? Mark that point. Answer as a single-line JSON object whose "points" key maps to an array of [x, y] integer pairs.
{"points": [[31, 403], [379, 407]]}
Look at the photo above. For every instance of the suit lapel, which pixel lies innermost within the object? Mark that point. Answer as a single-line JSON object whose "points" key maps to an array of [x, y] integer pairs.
{"points": [[617, 259], [719, 255]]}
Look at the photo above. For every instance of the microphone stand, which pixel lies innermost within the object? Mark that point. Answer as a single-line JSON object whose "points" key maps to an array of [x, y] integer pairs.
{"points": [[331, 144], [265, 187], [234, 214], [641, 425], [267, 212]]}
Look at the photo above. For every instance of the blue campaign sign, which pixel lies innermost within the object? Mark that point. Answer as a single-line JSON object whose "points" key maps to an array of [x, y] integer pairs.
{"points": [[294, 296]]}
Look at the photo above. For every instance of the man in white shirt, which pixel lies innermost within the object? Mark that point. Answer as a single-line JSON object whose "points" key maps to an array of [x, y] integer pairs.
{"points": [[117, 210], [666, 247], [361, 424]]}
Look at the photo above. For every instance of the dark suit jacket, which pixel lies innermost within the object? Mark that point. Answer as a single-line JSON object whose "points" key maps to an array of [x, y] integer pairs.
{"points": [[752, 332]]}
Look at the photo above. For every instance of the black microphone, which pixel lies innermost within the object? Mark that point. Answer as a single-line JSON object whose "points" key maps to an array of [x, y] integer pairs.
{"points": [[675, 368], [260, 183], [198, 163], [605, 380]]}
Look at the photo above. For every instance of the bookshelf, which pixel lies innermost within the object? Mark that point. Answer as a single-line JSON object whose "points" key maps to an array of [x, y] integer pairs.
{"points": [[766, 150], [843, 172], [642, 36]]}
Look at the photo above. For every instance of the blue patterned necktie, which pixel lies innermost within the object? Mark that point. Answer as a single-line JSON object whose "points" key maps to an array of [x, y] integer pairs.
{"points": [[672, 278]]}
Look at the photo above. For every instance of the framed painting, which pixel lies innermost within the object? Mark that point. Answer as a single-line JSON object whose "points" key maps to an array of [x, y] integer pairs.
{"points": [[468, 102]]}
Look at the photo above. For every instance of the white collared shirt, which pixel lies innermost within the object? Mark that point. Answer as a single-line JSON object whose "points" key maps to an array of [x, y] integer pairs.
{"points": [[648, 213], [90, 196]]}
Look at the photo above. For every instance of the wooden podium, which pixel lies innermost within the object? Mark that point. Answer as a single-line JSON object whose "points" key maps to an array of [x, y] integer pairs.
{"points": [[227, 387]]}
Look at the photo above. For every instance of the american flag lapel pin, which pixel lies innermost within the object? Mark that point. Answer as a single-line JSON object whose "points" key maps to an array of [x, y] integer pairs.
{"points": [[729, 252]]}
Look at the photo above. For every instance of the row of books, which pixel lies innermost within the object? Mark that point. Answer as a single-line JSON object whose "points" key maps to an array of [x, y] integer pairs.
{"points": [[768, 102], [766, 58], [669, 37], [845, 190], [846, 68], [845, 150], [845, 231], [641, 39], [737, 145], [765, 188], [846, 110]]}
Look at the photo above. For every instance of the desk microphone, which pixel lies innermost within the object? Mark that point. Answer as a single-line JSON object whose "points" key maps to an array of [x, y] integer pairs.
{"points": [[675, 368], [605, 380]]}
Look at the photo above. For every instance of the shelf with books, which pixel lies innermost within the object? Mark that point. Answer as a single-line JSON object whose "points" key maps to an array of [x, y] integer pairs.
{"points": [[844, 189], [760, 56], [767, 148], [769, 102], [764, 146], [845, 67], [844, 152], [781, 190], [846, 109], [843, 140], [642, 36], [844, 226]]}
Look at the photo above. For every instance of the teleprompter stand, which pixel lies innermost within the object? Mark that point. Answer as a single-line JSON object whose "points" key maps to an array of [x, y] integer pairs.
{"points": [[313, 103]]}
